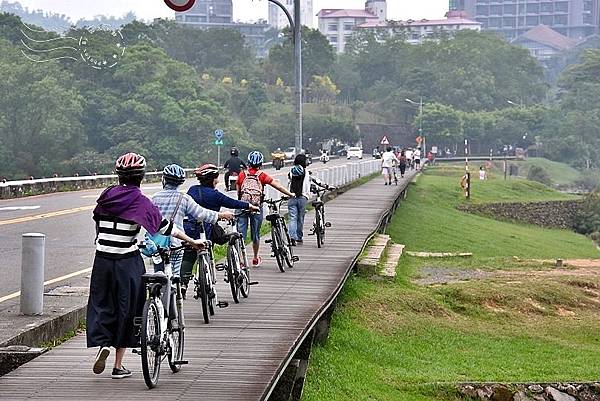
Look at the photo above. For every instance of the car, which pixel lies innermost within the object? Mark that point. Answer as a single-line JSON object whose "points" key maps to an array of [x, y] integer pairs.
{"points": [[290, 152], [354, 152]]}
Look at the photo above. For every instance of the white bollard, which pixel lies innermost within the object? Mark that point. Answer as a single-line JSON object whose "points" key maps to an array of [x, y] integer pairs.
{"points": [[32, 273]]}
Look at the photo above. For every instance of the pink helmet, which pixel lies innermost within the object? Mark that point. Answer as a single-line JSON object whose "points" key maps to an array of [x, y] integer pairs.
{"points": [[131, 164]]}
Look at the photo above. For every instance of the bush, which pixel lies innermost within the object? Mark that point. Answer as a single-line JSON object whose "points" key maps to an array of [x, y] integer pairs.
{"points": [[587, 220], [539, 174], [589, 182]]}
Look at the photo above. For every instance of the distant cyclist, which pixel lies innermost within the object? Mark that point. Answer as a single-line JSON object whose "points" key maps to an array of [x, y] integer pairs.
{"points": [[207, 196], [116, 289], [175, 206], [234, 165], [250, 186]]}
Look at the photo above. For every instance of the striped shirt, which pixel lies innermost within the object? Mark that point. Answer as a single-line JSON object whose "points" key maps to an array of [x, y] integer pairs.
{"points": [[166, 200], [117, 238]]}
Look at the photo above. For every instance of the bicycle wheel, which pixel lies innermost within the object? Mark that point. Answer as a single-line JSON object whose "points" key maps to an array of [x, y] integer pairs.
{"points": [[211, 288], [322, 218], [244, 277], [177, 332], [201, 288], [286, 245], [233, 268], [151, 343], [317, 228], [276, 245]]}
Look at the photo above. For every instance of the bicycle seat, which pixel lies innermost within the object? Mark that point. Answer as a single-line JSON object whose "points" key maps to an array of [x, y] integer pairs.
{"points": [[155, 278], [232, 236], [318, 203], [272, 217]]}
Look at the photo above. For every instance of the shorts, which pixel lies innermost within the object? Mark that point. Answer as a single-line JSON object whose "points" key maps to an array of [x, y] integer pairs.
{"points": [[255, 221], [417, 161], [386, 171]]}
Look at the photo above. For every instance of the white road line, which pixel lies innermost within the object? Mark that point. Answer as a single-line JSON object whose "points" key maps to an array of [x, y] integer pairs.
{"points": [[12, 208], [53, 281]]}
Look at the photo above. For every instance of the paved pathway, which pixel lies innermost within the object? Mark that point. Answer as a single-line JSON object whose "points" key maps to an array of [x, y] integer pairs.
{"points": [[244, 347]]}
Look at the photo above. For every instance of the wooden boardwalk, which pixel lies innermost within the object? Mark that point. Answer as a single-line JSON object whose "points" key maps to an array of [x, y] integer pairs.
{"points": [[244, 349]]}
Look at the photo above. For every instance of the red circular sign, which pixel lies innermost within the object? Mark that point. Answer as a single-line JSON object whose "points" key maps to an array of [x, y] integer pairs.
{"points": [[180, 5]]}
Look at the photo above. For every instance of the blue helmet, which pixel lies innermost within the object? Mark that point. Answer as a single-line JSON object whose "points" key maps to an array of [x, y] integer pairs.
{"points": [[297, 171], [174, 174], [256, 159]]}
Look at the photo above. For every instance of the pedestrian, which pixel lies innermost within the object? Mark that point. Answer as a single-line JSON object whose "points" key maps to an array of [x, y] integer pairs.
{"points": [[388, 160], [402, 163], [250, 187], [116, 288], [417, 158], [409, 158], [300, 181], [482, 173]]}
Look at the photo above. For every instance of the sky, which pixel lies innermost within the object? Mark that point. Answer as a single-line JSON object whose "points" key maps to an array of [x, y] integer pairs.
{"points": [[244, 10]]}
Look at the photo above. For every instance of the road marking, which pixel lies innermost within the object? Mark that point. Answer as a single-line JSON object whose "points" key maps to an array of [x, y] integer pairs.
{"points": [[46, 215], [12, 208], [53, 281], [90, 196]]}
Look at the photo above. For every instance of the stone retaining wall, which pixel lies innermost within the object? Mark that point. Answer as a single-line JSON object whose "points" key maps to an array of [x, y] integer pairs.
{"points": [[531, 392], [550, 214]]}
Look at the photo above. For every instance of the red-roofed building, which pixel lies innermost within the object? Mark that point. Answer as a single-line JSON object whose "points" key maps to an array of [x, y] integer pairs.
{"points": [[338, 24], [543, 42]]}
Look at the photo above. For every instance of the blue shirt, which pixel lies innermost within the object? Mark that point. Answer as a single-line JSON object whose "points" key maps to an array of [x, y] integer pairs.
{"points": [[212, 199]]}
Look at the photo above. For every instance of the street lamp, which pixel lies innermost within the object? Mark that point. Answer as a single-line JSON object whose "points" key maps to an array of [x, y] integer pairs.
{"points": [[420, 105], [296, 25]]}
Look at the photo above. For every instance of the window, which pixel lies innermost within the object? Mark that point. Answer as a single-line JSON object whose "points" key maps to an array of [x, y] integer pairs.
{"points": [[332, 27], [532, 21], [561, 7], [509, 22], [482, 10], [587, 19], [561, 20], [483, 22], [347, 38], [333, 39], [533, 8], [348, 26], [546, 7], [546, 20], [192, 18], [495, 22], [510, 9], [495, 10]]}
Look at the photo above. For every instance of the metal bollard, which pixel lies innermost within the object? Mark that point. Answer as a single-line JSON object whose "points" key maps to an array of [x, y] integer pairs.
{"points": [[32, 274]]}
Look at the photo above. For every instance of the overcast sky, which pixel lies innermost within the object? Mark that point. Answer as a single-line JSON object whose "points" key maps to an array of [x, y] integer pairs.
{"points": [[245, 10]]}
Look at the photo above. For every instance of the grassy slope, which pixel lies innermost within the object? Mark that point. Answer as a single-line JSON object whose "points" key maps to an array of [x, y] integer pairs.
{"points": [[396, 340], [562, 174]]}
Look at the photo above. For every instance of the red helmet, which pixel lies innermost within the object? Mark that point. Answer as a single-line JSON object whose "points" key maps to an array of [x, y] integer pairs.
{"points": [[180, 5], [207, 171], [130, 164]]}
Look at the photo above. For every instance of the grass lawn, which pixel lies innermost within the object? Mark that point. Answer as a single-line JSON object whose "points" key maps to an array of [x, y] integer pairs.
{"points": [[562, 174], [398, 340]]}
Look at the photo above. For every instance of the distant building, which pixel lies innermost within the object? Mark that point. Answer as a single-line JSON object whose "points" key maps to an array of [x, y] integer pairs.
{"points": [[278, 19], [206, 14], [338, 24], [575, 19], [418, 31], [543, 42]]}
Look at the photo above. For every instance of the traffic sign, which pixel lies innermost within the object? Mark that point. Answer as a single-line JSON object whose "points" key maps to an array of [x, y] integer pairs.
{"points": [[219, 142], [219, 134], [384, 140]]}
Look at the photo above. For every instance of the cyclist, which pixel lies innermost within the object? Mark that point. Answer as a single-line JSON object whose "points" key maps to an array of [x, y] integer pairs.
{"points": [[176, 205], [234, 166], [300, 180], [250, 187], [116, 289], [207, 196]]}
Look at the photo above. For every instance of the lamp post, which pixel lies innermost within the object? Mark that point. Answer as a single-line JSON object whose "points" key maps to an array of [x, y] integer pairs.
{"points": [[420, 105], [296, 26]]}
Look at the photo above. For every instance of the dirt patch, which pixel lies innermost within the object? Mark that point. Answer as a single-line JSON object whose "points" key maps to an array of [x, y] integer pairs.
{"points": [[441, 275]]}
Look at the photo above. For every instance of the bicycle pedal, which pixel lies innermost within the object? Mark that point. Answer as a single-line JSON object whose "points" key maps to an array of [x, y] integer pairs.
{"points": [[253, 283], [220, 267], [180, 363], [295, 258], [135, 351], [222, 304], [268, 241], [328, 225], [137, 321]]}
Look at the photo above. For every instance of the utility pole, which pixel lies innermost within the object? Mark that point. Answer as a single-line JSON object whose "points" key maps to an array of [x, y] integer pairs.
{"points": [[298, 74]]}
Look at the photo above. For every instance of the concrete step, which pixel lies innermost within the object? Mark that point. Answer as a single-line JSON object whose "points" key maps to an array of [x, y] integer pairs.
{"points": [[374, 251], [394, 254]]}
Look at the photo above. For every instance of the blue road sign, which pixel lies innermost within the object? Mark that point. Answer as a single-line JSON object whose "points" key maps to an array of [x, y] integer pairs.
{"points": [[219, 142], [219, 134]]}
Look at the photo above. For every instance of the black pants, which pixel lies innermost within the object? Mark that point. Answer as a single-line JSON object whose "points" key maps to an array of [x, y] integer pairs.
{"points": [[187, 264], [402, 169], [116, 298]]}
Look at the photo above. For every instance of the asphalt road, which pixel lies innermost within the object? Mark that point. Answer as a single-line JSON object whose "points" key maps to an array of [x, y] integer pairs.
{"points": [[65, 219]]}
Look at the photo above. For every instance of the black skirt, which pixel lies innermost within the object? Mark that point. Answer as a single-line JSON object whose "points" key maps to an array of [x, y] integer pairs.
{"points": [[116, 298]]}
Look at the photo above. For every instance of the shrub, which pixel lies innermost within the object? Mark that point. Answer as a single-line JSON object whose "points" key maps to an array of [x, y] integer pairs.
{"points": [[587, 220], [539, 174]]}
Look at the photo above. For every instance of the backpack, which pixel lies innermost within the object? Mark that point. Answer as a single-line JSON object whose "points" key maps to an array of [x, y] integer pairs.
{"points": [[251, 190]]}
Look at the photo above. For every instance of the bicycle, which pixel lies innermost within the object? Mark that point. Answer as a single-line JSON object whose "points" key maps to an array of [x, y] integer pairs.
{"points": [[281, 243], [237, 273], [205, 280], [162, 324], [319, 224]]}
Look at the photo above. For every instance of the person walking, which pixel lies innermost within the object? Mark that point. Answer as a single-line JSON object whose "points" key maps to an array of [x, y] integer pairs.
{"points": [[250, 187], [300, 181], [116, 288], [388, 159], [402, 163]]}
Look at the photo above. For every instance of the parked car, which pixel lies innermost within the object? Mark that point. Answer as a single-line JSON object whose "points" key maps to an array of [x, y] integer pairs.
{"points": [[290, 152], [354, 152], [341, 152]]}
